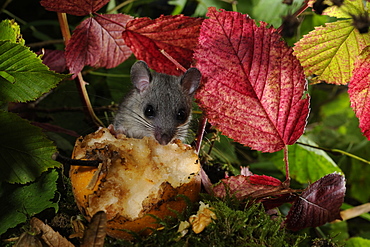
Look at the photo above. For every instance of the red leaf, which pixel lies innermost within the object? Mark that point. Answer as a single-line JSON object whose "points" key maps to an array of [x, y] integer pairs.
{"points": [[318, 204], [54, 59], [98, 42], [264, 180], [74, 7], [255, 87], [359, 91], [243, 187], [176, 35]]}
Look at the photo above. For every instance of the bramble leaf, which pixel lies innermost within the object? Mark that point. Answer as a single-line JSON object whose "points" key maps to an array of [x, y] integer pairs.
{"points": [[54, 59], [25, 150], [318, 204], [74, 7], [354, 7], [98, 42], [27, 200], [254, 87], [23, 77], [10, 30], [330, 51], [359, 91], [176, 35], [243, 187]]}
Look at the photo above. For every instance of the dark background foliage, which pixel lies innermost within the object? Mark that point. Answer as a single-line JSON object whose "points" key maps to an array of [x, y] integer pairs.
{"points": [[332, 123]]}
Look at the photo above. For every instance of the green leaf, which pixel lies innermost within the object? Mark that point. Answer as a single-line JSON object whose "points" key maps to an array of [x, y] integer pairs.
{"points": [[224, 151], [330, 51], [306, 164], [201, 9], [179, 6], [19, 202], [337, 125], [357, 242], [118, 82], [31, 78], [6, 76], [10, 30], [25, 150], [269, 11], [358, 179]]}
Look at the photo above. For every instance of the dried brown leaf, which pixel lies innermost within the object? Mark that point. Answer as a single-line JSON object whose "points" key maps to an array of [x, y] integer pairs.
{"points": [[48, 235], [95, 233]]}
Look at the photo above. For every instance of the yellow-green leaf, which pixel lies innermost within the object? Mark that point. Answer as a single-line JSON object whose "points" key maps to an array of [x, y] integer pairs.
{"points": [[349, 7], [330, 51]]}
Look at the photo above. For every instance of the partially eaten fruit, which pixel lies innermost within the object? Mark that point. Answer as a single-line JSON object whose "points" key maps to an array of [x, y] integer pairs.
{"points": [[136, 177]]}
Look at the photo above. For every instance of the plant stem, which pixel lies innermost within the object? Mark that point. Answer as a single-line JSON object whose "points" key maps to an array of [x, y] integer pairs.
{"points": [[80, 83], [81, 86], [233, 5], [286, 183], [109, 75], [120, 6], [44, 43], [64, 28], [200, 133], [5, 5], [297, 13], [338, 151], [169, 57], [18, 19], [320, 233]]}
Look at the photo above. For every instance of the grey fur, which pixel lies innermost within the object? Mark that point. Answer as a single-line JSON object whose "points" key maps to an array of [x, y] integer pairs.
{"points": [[171, 101]]}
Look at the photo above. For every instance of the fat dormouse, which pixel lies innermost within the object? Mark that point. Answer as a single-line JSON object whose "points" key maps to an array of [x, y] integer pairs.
{"points": [[159, 105]]}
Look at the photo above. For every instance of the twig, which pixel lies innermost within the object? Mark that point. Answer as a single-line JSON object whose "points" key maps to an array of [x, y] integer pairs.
{"points": [[73, 162], [354, 212], [296, 14], [44, 43], [80, 83]]}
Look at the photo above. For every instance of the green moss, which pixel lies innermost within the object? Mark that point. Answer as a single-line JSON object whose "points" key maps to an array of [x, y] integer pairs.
{"points": [[249, 226]]}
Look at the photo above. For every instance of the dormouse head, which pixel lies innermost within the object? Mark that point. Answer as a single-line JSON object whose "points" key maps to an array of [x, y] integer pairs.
{"points": [[166, 100]]}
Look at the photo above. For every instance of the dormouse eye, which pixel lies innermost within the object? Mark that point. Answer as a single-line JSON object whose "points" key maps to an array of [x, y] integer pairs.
{"points": [[181, 115], [149, 111]]}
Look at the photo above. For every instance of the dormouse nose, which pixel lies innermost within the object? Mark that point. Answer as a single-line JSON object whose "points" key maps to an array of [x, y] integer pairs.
{"points": [[162, 136]]}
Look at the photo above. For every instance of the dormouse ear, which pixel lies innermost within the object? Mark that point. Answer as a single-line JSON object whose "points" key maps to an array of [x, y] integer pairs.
{"points": [[190, 80], [140, 75]]}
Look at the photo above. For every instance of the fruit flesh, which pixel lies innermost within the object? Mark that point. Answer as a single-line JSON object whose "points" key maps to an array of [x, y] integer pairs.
{"points": [[137, 177]]}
